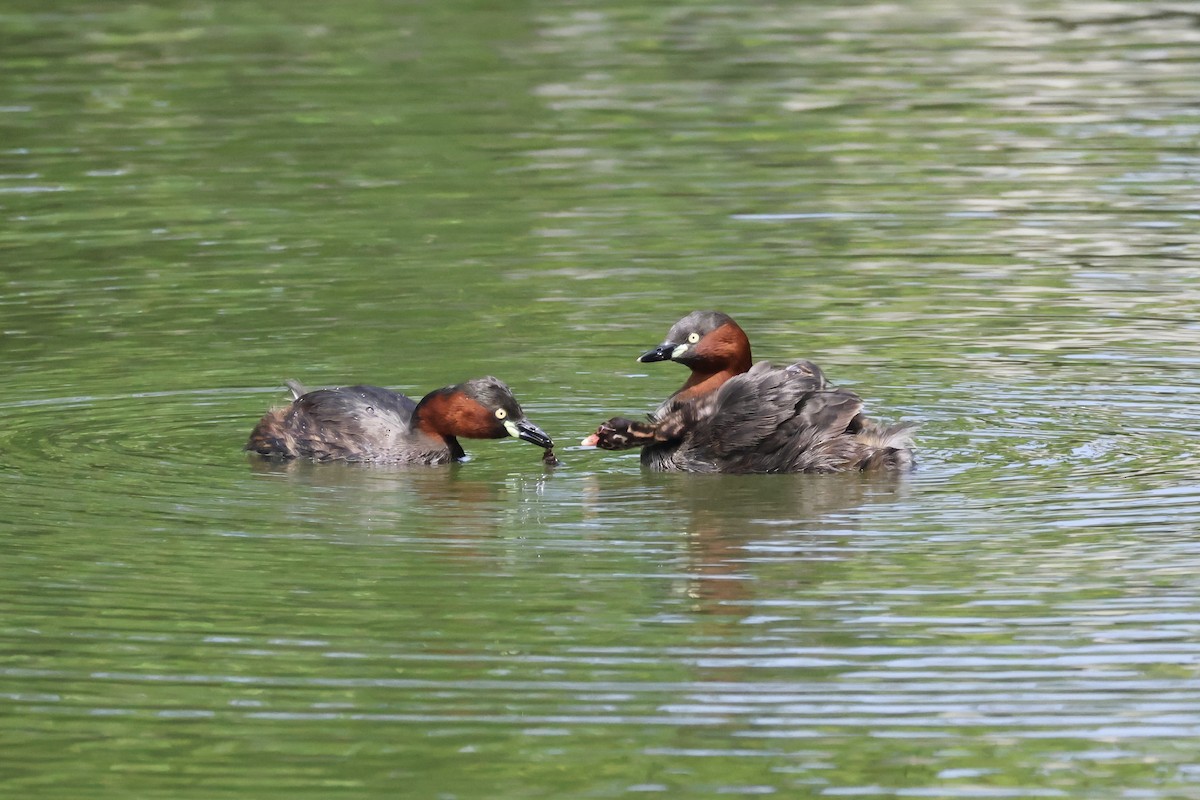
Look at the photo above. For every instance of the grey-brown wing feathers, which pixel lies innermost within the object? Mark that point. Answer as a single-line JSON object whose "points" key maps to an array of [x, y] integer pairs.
{"points": [[777, 420], [327, 424]]}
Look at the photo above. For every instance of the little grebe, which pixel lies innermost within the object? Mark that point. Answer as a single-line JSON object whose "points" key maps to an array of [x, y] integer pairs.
{"points": [[371, 424], [730, 416]]}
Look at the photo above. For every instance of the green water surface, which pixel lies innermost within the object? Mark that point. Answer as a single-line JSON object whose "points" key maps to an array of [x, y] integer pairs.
{"points": [[982, 217]]}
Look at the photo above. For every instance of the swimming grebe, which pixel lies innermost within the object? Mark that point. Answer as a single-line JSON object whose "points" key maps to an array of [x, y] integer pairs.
{"points": [[732, 417], [372, 424]]}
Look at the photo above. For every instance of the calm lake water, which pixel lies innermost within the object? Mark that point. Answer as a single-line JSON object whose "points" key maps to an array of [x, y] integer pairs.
{"points": [[983, 217]]}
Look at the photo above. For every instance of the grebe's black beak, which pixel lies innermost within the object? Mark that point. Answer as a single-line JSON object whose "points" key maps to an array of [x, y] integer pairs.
{"points": [[661, 353], [531, 433]]}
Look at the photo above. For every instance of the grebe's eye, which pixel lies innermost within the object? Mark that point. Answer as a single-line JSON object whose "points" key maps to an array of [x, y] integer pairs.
{"points": [[693, 338], [501, 413]]}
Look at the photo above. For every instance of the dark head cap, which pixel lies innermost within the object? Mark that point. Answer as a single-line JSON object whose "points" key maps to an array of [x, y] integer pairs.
{"points": [[492, 394]]}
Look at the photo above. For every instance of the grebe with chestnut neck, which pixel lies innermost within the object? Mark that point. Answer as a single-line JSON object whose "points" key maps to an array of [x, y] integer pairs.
{"points": [[734, 416], [377, 425]]}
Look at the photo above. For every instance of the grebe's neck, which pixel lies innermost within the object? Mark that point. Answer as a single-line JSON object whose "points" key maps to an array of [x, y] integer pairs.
{"points": [[701, 383]]}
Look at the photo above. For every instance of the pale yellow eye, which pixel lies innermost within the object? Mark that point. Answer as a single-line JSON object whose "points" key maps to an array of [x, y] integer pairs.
{"points": [[501, 413], [693, 338]]}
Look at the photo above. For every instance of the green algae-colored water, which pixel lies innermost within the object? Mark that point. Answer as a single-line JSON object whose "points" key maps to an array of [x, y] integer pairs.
{"points": [[982, 217]]}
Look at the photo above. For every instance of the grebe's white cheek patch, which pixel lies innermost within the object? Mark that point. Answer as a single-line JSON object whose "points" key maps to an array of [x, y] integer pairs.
{"points": [[512, 429], [679, 350]]}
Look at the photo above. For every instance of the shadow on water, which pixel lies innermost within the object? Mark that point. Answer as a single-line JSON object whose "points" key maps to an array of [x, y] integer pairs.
{"points": [[437, 487], [727, 526]]}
